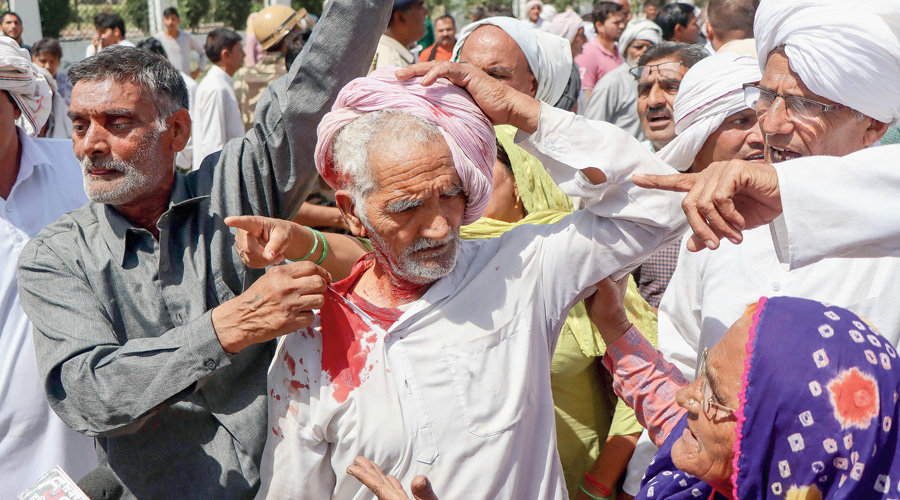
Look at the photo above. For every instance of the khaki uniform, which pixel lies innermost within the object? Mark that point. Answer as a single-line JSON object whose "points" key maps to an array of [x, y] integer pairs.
{"points": [[249, 84], [391, 53]]}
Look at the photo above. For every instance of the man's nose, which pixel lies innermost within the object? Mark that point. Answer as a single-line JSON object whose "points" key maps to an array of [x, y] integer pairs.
{"points": [[95, 142], [775, 120]]}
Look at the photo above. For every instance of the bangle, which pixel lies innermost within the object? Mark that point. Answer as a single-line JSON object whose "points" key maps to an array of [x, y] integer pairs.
{"points": [[315, 244], [597, 485], [595, 497], [324, 250]]}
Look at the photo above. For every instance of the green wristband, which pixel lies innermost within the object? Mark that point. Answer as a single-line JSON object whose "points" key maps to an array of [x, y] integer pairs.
{"points": [[324, 250], [588, 493], [315, 245]]}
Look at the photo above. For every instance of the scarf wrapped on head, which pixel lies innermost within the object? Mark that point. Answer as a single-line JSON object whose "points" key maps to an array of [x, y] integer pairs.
{"points": [[711, 91], [566, 25], [819, 395], [817, 414], [639, 30], [848, 52], [464, 126], [27, 87], [549, 56]]}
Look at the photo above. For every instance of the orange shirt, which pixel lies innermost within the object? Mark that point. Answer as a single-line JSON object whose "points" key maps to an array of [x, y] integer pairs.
{"points": [[435, 53]]}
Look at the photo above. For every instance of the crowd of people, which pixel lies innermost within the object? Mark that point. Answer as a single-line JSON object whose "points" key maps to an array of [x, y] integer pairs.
{"points": [[611, 255]]}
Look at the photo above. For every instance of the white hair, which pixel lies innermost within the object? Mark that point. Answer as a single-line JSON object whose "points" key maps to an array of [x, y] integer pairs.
{"points": [[378, 129]]}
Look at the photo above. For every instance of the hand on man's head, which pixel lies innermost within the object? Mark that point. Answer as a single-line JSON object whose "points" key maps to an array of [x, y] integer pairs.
{"points": [[502, 104]]}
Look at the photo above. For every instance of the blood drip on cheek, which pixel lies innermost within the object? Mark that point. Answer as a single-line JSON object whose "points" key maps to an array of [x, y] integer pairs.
{"points": [[346, 343]]}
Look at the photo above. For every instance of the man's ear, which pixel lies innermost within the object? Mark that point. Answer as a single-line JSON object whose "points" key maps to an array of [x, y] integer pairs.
{"points": [[711, 36], [345, 204], [178, 132], [875, 131]]}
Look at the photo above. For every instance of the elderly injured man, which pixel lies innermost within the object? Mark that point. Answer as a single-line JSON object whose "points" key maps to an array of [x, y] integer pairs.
{"points": [[433, 356]]}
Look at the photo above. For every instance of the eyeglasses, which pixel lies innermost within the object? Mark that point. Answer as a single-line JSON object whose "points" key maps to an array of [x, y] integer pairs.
{"points": [[668, 69], [798, 108], [708, 400]]}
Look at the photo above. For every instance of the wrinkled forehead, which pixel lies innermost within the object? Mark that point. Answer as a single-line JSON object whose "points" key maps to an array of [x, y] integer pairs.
{"points": [[667, 68], [778, 76]]}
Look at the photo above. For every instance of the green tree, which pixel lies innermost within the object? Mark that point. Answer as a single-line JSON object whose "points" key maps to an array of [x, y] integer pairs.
{"points": [[55, 15], [193, 11], [136, 11], [232, 12], [314, 7]]}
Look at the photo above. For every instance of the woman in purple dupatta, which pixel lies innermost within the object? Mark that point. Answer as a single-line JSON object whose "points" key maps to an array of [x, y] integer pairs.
{"points": [[797, 401]]}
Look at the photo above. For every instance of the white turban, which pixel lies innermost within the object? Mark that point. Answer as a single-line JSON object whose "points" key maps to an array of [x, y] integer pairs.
{"points": [[639, 30], [711, 91], [549, 56], [28, 88], [566, 25], [848, 52]]}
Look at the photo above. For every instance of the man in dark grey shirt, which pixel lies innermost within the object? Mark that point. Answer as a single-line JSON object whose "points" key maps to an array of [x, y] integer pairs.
{"points": [[150, 333]]}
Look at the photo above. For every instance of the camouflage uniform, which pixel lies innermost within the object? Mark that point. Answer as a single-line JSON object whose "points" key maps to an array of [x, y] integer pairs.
{"points": [[249, 83]]}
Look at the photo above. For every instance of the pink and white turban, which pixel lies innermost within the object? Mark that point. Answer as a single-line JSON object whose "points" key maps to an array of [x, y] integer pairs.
{"points": [[468, 132], [27, 87]]}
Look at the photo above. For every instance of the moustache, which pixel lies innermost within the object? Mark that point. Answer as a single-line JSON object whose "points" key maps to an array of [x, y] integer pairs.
{"points": [[663, 108], [428, 243], [88, 164]]}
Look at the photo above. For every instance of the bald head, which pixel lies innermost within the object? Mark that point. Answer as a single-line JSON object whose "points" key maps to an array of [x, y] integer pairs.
{"points": [[730, 20], [498, 55]]}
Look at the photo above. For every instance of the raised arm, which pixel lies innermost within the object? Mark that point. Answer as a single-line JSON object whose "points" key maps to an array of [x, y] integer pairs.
{"points": [[272, 167], [642, 378]]}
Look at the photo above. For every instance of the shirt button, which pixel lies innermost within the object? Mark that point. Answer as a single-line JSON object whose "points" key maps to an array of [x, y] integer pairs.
{"points": [[211, 364], [776, 286], [550, 146], [164, 267], [9, 208], [19, 238]]}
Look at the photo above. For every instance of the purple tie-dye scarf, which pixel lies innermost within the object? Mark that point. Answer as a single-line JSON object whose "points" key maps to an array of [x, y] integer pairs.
{"points": [[818, 412]]}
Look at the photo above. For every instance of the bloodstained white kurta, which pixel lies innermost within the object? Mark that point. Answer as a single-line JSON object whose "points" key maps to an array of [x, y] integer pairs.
{"points": [[458, 388]]}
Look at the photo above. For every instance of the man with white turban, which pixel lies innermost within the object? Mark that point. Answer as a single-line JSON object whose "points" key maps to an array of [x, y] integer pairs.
{"points": [[712, 121], [533, 18], [433, 357], [614, 98], [709, 291], [845, 63], [40, 180], [569, 25]]}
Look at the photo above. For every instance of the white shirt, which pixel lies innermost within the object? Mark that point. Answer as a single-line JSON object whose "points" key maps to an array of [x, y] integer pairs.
{"points": [[32, 438], [839, 206], [91, 50], [178, 50], [217, 118], [458, 388], [711, 290], [184, 158]]}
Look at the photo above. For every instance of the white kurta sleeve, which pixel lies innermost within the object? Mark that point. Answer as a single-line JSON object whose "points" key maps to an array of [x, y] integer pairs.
{"points": [[621, 225], [680, 321], [839, 207]]}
